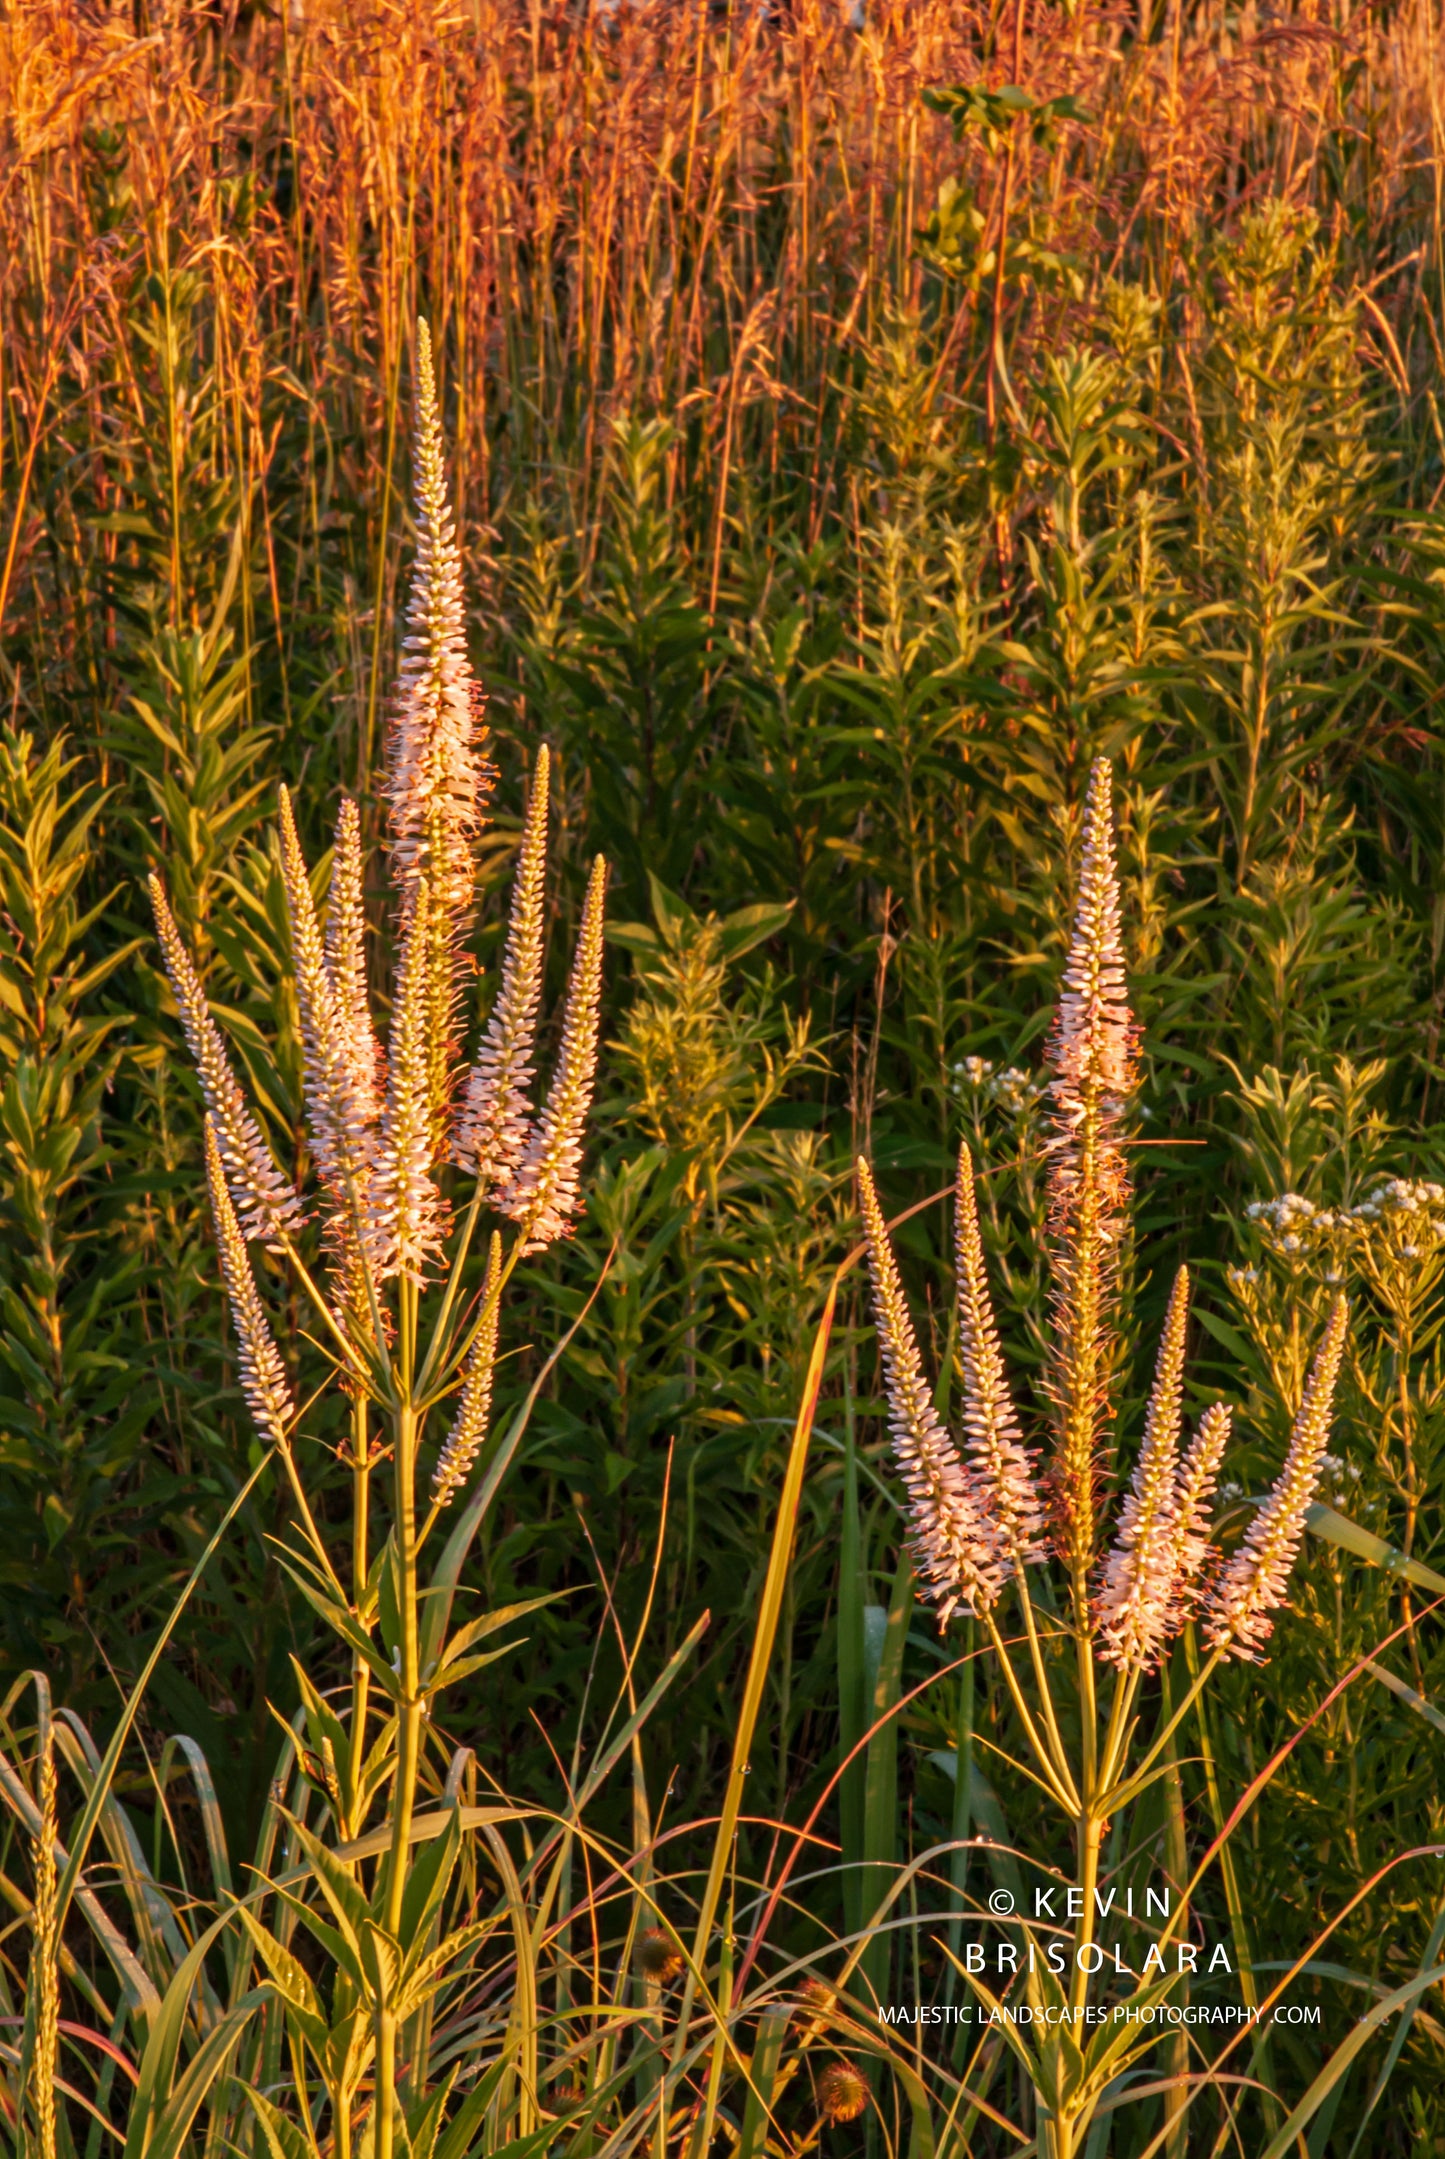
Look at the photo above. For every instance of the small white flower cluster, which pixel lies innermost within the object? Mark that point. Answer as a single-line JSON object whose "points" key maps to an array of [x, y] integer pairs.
{"points": [[1013, 1091], [1400, 1195], [1411, 1211], [1283, 1213]]}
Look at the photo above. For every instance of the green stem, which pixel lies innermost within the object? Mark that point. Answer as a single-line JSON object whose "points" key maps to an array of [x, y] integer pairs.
{"points": [[1112, 1799], [360, 1568], [328, 1318], [1058, 2138], [453, 1354], [962, 1793], [409, 1736], [409, 1713], [458, 1262], [1088, 1835], [1066, 1796], [1061, 1759], [385, 2083], [1088, 1698], [1117, 1736], [1176, 1858], [303, 1507]]}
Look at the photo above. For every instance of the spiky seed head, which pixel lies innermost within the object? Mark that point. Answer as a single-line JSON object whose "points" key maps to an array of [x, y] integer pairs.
{"points": [[1092, 1052], [469, 1427], [1133, 1609], [1252, 1584], [496, 1116], [1003, 1467], [544, 1191], [269, 1207], [263, 1376], [1093, 1048], [1192, 1520], [437, 779], [842, 2093], [405, 1209], [957, 1549], [346, 963], [341, 1138], [340, 1099], [659, 1956]]}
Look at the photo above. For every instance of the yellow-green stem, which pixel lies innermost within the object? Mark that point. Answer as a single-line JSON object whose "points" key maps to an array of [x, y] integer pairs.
{"points": [[303, 1508], [1059, 2139], [408, 1753], [1088, 1702], [1046, 1699], [1088, 1834], [360, 1567], [45, 1963], [1062, 1792], [1116, 1739], [385, 2083], [1112, 1797], [408, 1745]]}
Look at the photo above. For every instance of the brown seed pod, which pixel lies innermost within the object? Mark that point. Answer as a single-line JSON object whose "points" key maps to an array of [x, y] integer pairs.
{"points": [[842, 2093], [659, 1956], [816, 2003]]}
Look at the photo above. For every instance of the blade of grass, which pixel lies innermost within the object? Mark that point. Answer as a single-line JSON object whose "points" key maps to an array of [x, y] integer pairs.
{"points": [[779, 1560], [852, 1720], [1402, 2032], [880, 1802], [100, 1791]]}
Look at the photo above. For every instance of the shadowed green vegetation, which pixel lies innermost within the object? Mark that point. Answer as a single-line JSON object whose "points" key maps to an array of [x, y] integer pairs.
{"points": [[854, 430]]}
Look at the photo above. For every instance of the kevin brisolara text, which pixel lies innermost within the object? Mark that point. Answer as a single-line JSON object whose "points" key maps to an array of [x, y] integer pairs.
{"points": [[1091, 2013]]}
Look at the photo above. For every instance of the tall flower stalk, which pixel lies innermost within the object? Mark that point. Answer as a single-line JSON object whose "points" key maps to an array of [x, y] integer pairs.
{"points": [[411, 1327], [982, 1514]]}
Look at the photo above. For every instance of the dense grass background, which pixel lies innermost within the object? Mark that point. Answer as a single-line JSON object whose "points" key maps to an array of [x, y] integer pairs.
{"points": [[843, 457]]}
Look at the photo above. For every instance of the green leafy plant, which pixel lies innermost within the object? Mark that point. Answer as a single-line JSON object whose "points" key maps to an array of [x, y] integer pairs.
{"points": [[983, 1517], [69, 1403]]}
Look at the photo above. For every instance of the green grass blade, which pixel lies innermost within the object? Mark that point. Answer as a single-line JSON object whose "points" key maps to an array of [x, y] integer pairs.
{"points": [[1338, 1529], [779, 1560], [1401, 2033], [101, 1788], [1285, 2140], [767, 2051], [852, 1721], [880, 1801]]}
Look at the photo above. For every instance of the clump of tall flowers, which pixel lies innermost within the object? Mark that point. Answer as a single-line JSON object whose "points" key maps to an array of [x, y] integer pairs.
{"points": [[983, 1514], [411, 1144]]}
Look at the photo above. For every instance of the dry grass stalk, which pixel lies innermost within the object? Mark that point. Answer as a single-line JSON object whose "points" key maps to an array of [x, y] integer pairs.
{"points": [[597, 246]]}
